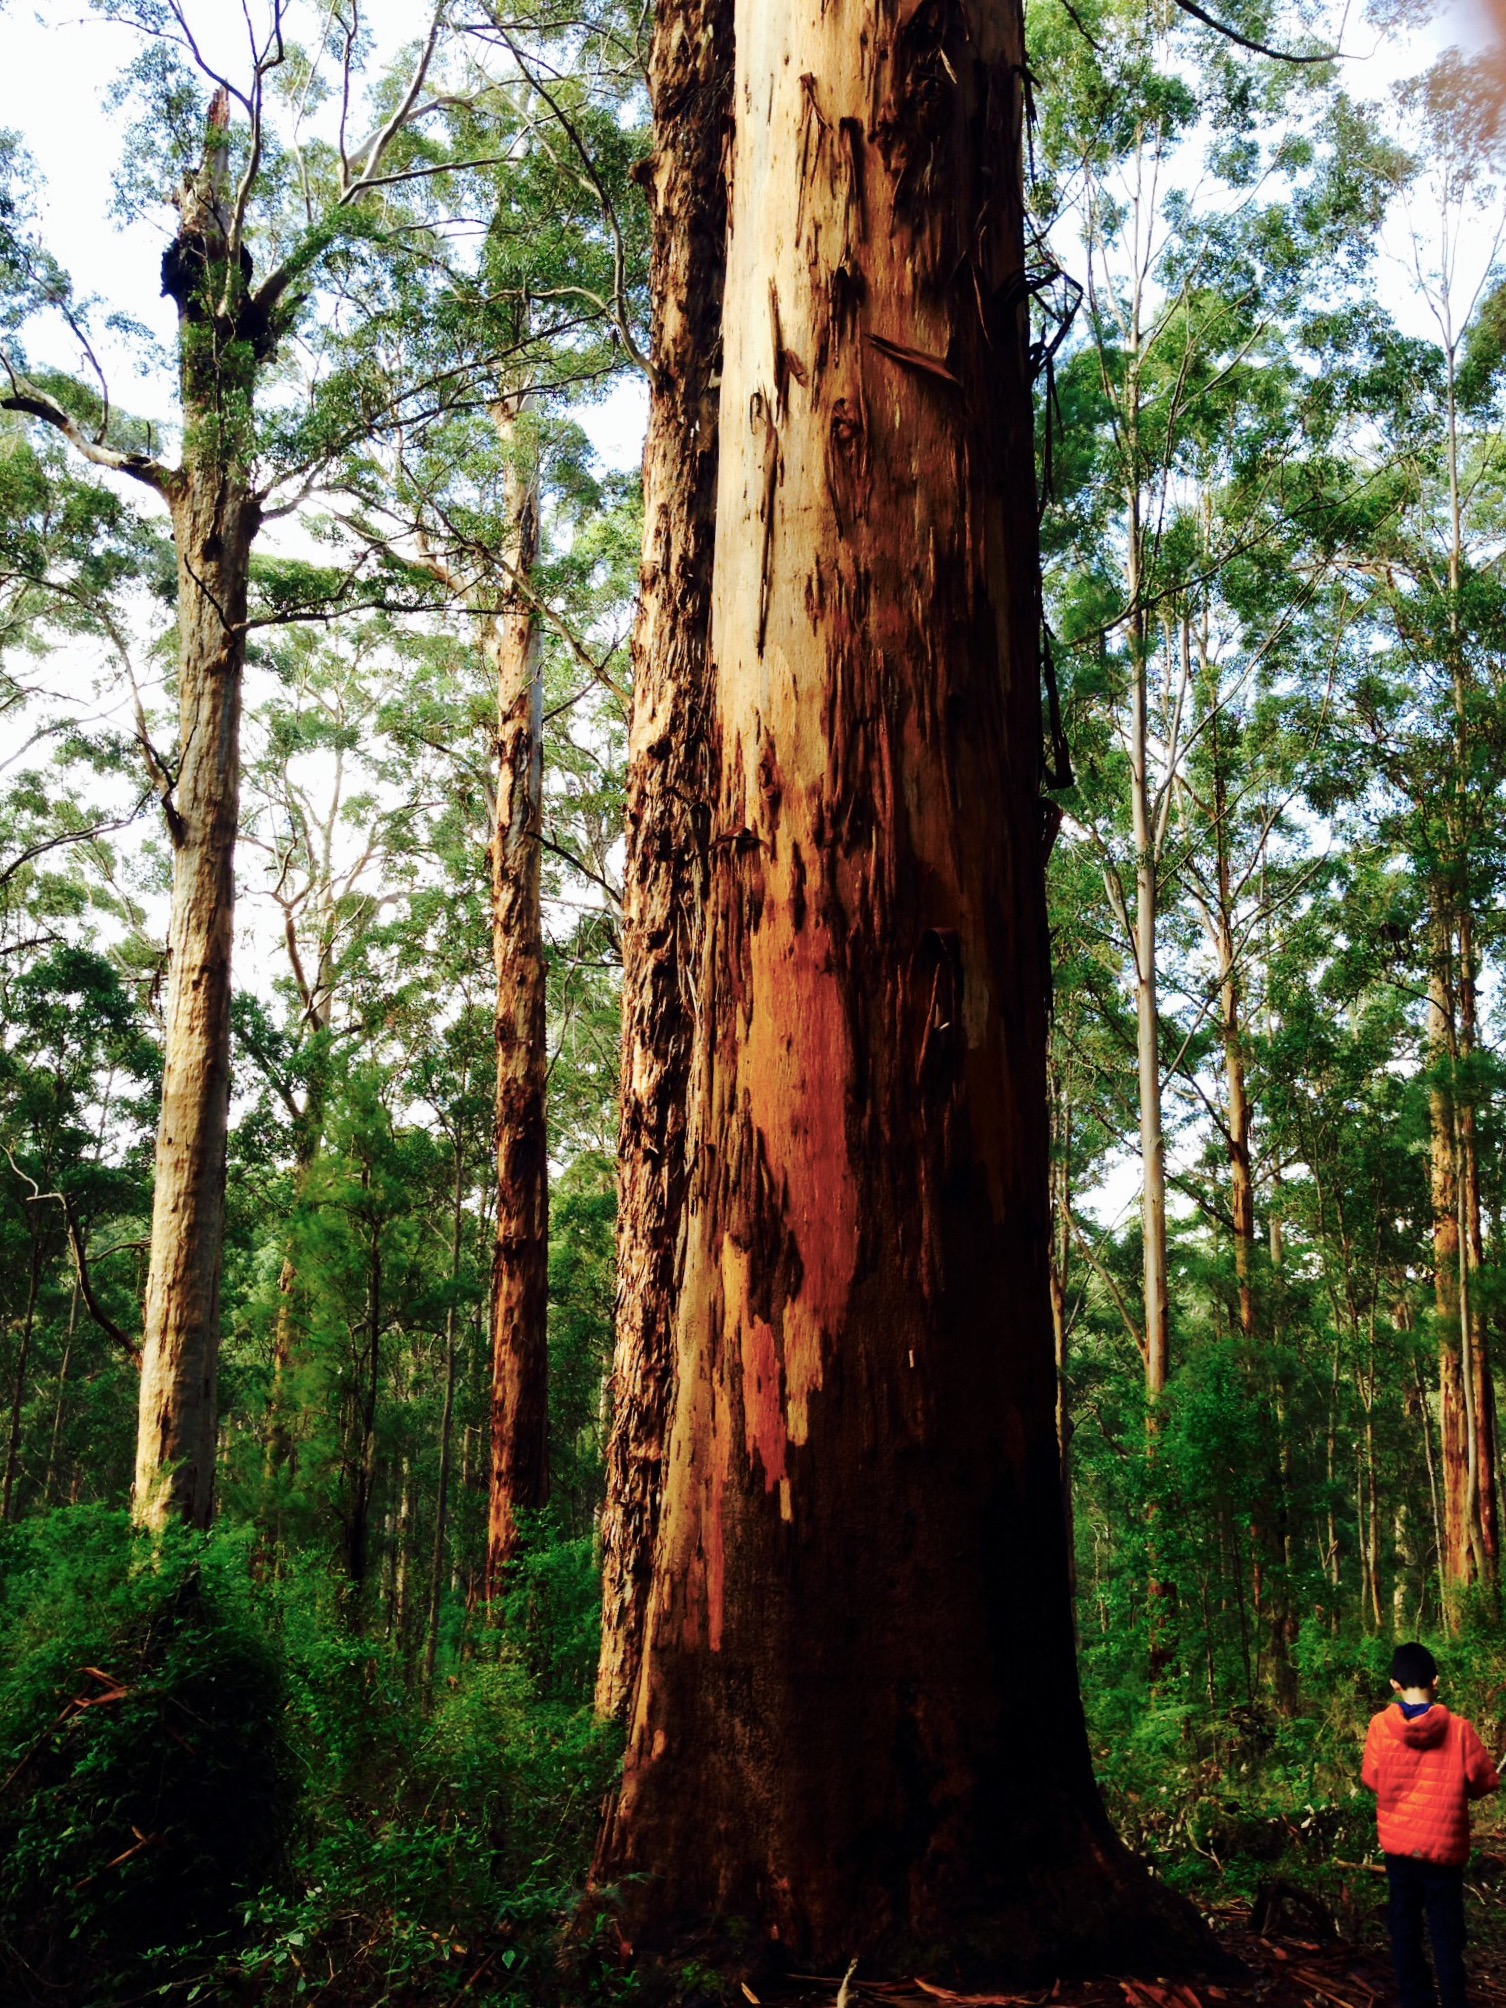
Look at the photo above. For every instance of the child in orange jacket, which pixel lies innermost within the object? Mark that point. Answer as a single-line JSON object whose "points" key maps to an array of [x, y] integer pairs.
{"points": [[1424, 1766]]}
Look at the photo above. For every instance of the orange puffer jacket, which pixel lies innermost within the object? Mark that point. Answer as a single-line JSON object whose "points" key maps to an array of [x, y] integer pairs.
{"points": [[1423, 1774]]}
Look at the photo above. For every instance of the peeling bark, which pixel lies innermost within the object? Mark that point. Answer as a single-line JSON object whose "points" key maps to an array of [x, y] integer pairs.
{"points": [[222, 341], [862, 1539], [215, 518], [664, 881], [520, 1260]]}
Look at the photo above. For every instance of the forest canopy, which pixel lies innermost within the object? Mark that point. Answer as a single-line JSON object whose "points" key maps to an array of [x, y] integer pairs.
{"points": [[540, 974]]}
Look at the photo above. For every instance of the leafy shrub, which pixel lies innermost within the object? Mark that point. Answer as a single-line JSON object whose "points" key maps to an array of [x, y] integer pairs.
{"points": [[146, 1783]]}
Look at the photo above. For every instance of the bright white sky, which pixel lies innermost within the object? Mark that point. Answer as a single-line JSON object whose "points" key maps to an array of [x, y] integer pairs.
{"points": [[56, 62]]}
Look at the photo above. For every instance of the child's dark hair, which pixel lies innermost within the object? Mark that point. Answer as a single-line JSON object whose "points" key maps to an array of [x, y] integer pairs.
{"points": [[1412, 1665]]}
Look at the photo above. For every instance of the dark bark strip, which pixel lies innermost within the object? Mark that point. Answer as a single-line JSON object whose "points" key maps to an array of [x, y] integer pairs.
{"points": [[691, 77], [862, 1540], [520, 1260]]}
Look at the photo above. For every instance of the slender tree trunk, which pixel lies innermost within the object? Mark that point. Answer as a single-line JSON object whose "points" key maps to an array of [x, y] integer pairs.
{"points": [[667, 784], [1147, 1008], [1467, 1321], [447, 1418], [1452, 1169], [363, 1464], [1453, 1417], [1161, 1588], [1370, 1523], [402, 1531], [215, 517], [18, 1390], [1231, 1034], [520, 1263], [309, 1137], [1286, 1624], [1472, 1255], [1435, 1499], [1401, 1537], [57, 1413], [862, 1529], [1331, 1452], [1241, 1184]]}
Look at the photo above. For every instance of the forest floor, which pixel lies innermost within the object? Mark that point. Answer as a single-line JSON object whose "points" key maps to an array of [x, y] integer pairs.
{"points": [[1286, 1949]]}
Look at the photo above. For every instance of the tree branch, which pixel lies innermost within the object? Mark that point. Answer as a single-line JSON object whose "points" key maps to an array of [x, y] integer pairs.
{"points": [[26, 397], [96, 1310], [1257, 48]]}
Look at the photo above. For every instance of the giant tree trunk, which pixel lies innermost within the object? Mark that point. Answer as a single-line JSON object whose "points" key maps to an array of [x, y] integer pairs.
{"points": [[664, 882], [214, 521], [862, 1536], [520, 1262], [215, 517]]}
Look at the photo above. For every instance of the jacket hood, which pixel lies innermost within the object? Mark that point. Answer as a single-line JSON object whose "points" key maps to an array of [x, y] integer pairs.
{"points": [[1423, 1731]]}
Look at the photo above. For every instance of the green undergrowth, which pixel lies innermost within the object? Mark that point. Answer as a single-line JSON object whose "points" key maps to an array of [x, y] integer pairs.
{"points": [[219, 1784], [217, 1787], [1231, 1801]]}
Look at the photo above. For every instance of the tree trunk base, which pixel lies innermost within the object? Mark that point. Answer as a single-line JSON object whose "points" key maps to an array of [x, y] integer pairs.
{"points": [[1103, 1913]]}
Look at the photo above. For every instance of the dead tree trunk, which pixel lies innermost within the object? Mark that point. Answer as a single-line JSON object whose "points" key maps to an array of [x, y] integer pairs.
{"points": [[862, 1529], [520, 1261], [664, 883]]}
